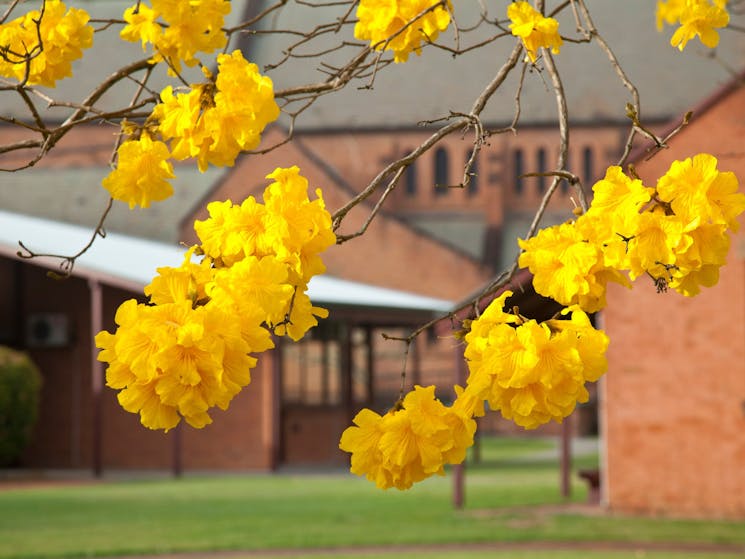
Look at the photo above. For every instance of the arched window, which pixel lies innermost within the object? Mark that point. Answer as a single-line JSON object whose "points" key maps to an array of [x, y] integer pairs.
{"points": [[519, 168], [441, 172], [542, 168], [565, 183], [588, 171], [473, 183], [410, 179]]}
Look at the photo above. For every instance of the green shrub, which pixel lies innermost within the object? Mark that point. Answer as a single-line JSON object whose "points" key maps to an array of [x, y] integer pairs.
{"points": [[20, 386]]}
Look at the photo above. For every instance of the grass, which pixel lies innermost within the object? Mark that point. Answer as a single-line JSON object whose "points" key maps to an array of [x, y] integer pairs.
{"points": [[516, 554], [319, 511]]}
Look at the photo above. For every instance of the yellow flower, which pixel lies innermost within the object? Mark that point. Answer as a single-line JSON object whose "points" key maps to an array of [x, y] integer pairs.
{"points": [[617, 199], [698, 265], [302, 317], [698, 192], [188, 28], [215, 122], [409, 443], [591, 343], [297, 229], [233, 232], [262, 282], [379, 20], [142, 173], [532, 373], [174, 360], [669, 11], [141, 25], [288, 226], [185, 283], [567, 267], [189, 350], [696, 17], [535, 30], [51, 45], [652, 250]]}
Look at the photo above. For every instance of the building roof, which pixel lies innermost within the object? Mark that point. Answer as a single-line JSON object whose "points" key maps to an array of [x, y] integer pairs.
{"points": [[432, 85], [130, 263], [108, 53], [79, 198]]}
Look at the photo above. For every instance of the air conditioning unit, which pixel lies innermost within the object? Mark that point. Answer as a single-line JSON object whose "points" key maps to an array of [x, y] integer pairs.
{"points": [[47, 330]]}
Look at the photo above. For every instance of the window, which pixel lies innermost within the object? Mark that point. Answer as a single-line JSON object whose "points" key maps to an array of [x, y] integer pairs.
{"points": [[565, 183], [588, 172], [518, 166], [410, 179], [441, 172], [542, 168], [473, 183]]}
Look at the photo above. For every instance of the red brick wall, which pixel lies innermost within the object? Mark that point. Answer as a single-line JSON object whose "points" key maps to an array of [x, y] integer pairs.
{"points": [[674, 396]]}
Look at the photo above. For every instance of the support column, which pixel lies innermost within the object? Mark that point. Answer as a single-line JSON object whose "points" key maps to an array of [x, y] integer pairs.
{"points": [[459, 470], [347, 393], [177, 464], [566, 457], [97, 375], [416, 363], [370, 355], [273, 395]]}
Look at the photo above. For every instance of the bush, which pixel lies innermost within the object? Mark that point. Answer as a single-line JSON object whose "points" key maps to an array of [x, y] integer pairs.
{"points": [[20, 386]]}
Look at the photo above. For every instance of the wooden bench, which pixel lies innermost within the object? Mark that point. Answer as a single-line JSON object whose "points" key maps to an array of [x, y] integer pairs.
{"points": [[592, 477]]}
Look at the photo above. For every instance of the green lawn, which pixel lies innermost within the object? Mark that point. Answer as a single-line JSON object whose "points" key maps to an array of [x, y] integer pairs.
{"points": [[515, 554], [317, 511]]}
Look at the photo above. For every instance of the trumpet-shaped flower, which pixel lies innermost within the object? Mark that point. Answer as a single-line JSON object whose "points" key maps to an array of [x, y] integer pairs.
{"points": [[398, 25], [567, 267], [532, 373], [698, 264], [215, 122], [39, 47], [698, 192], [142, 172], [173, 360], [535, 30], [409, 443], [187, 29], [190, 349], [697, 18]]}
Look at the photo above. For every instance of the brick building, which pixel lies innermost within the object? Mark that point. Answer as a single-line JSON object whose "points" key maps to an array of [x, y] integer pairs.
{"points": [[673, 402], [435, 242], [301, 395]]}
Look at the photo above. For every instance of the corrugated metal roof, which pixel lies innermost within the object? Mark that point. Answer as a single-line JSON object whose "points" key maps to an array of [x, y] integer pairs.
{"points": [[80, 199], [431, 85], [131, 263]]}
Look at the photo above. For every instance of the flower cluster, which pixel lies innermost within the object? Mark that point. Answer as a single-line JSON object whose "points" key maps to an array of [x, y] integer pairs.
{"points": [[535, 30], [531, 372], [212, 122], [535, 372], [675, 233], [697, 18], [188, 28], [189, 349], [142, 172], [395, 24], [409, 443], [40, 46]]}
